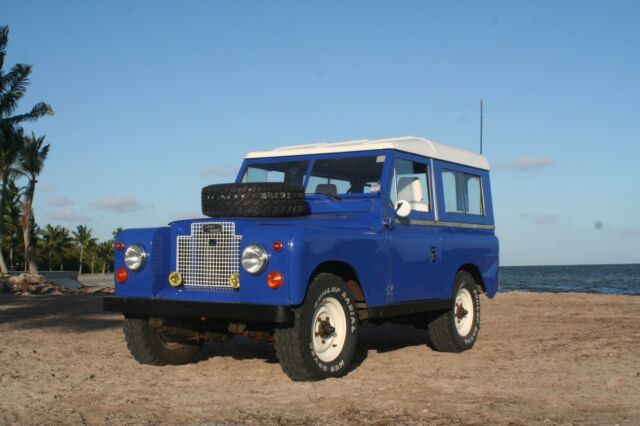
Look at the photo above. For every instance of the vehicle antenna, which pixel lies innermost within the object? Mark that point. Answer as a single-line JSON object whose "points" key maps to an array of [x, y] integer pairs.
{"points": [[480, 126]]}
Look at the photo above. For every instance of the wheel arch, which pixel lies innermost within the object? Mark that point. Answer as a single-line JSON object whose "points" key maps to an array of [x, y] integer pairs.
{"points": [[348, 273], [475, 273]]}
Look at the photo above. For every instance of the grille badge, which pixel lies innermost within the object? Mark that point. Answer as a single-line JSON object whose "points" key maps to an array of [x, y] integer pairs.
{"points": [[212, 228]]}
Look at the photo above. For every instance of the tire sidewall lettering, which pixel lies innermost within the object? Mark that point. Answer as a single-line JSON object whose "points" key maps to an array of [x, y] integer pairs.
{"points": [[471, 337], [343, 297]]}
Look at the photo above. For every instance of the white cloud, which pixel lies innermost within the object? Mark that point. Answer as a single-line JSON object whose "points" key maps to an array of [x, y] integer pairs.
{"points": [[523, 163], [45, 187], [66, 215], [119, 204], [214, 171], [543, 219], [61, 202], [187, 215]]}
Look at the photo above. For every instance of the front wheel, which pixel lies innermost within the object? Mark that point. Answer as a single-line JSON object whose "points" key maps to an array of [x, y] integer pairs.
{"points": [[456, 329], [321, 342], [155, 346]]}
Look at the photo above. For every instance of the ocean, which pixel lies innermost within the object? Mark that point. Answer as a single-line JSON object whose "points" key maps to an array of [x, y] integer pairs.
{"points": [[606, 279]]}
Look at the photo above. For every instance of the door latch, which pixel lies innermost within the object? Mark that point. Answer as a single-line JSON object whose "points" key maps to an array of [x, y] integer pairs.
{"points": [[434, 255]]}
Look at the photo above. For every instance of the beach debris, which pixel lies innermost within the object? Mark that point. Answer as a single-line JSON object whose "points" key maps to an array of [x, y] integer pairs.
{"points": [[26, 284]]}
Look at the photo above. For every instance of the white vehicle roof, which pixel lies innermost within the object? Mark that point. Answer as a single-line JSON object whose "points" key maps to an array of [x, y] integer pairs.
{"points": [[409, 144]]}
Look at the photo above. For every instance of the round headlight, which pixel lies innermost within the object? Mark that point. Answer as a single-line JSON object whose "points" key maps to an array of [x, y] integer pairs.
{"points": [[134, 257], [254, 259]]}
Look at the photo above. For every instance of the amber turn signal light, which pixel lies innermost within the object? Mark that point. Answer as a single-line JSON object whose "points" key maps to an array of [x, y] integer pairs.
{"points": [[275, 280], [122, 275]]}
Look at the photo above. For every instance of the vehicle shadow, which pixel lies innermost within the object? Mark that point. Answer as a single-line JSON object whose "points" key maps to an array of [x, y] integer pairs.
{"points": [[67, 313], [380, 338]]}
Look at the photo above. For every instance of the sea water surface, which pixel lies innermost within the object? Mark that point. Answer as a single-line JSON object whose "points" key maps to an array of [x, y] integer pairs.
{"points": [[607, 279]]}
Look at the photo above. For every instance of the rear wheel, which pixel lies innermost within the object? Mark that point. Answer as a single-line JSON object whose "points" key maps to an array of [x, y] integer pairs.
{"points": [[456, 329], [321, 342], [156, 346]]}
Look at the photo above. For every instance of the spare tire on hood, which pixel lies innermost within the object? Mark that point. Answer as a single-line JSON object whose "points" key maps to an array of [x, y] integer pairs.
{"points": [[254, 200]]}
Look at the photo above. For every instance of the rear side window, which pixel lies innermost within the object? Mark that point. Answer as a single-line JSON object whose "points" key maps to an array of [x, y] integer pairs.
{"points": [[462, 193]]}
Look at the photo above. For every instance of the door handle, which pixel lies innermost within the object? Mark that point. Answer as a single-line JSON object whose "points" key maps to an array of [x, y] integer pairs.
{"points": [[387, 222], [434, 255]]}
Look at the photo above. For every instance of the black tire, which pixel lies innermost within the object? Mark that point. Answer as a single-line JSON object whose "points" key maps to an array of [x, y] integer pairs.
{"points": [[295, 346], [254, 200], [148, 346], [456, 329]]}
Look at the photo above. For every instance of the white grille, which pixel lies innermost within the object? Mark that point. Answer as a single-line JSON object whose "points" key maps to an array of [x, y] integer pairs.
{"points": [[206, 260]]}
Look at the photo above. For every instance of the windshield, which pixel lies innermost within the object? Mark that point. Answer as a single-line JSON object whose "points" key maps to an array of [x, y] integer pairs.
{"points": [[340, 176], [333, 176], [286, 171]]}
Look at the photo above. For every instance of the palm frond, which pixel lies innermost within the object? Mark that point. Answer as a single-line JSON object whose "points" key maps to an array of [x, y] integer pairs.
{"points": [[13, 85], [4, 40], [33, 155], [39, 110]]}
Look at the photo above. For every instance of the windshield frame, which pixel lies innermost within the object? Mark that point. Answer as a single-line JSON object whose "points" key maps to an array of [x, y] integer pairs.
{"points": [[313, 157]]}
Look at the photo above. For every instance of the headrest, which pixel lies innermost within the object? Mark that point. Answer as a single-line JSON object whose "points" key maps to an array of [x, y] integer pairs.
{"points": [[326, 188], [409, 189]]}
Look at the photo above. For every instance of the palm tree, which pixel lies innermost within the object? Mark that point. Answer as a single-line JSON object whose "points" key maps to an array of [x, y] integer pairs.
{"points": [[55, 240], [10, 147], [11, 220], [82, 237], [31, 162], [105, 251], [13, 86], [92, 248]]}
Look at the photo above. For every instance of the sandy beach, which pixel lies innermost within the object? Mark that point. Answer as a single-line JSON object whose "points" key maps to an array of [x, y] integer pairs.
{"points": [[540, 359]]}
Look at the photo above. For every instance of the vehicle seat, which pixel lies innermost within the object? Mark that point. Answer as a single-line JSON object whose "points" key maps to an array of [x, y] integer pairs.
{"points": [[410, 189], [326, 188]]}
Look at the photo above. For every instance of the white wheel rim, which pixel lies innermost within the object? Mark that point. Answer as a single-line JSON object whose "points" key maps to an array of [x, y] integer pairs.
{"points": [[463, 312], [329, 329]]}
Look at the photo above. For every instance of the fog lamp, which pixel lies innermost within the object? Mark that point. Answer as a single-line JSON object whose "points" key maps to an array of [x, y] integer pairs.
{"points": [[175, 279]]}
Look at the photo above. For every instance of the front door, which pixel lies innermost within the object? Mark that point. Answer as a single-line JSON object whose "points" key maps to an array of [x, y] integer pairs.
{"points": [[414, 241]]}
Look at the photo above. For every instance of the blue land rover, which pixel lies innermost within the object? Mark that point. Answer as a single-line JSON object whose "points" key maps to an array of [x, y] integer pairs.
{"points": [[308, 242]]}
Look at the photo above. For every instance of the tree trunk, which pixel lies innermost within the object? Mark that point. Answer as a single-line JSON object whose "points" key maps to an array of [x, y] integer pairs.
{"points": [[93, 259], [81, 256], [3, 199], [50, 267], [29, 259]]}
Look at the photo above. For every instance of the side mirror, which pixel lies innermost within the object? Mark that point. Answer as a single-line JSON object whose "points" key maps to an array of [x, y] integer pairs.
{"points": [[403, 208]]}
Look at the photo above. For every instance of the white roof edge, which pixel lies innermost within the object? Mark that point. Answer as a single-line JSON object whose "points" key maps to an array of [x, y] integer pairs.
{"points": [[410, 144]]}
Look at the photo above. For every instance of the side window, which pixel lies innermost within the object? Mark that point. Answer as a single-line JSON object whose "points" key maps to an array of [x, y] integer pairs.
{"points": [[462, 193], [411, 184]]}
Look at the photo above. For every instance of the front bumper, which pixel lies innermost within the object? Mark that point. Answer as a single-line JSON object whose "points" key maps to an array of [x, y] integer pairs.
{"points": [[180, 309]]}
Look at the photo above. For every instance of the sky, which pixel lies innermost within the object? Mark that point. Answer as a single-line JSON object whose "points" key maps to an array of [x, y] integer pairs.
{"points": [[155, 99]]}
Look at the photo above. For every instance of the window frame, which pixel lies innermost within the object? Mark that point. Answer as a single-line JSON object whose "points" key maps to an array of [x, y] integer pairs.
{"points": [[388, 154], [392, 184], [486, 218]]}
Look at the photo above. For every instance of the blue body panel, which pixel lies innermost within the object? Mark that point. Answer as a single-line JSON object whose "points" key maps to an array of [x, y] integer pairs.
{"points": [[394, 263]]}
